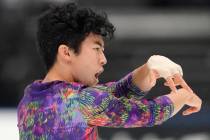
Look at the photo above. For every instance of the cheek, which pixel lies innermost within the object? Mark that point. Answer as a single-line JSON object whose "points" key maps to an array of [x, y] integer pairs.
{"points": [[85, 76], [85, 67], [83, 72]]}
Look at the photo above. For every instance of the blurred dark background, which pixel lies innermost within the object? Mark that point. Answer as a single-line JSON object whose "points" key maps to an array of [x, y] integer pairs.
{"points": [[177, 29]]}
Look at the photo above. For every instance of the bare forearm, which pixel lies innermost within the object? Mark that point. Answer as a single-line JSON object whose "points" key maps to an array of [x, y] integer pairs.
{"points": [[141, 78]]}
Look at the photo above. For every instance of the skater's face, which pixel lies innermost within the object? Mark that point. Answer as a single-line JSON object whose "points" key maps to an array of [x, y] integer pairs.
{"points": [[88, 64]]}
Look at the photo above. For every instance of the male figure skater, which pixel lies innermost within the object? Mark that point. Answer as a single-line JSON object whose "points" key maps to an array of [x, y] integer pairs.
{"points": [[68, 103]]}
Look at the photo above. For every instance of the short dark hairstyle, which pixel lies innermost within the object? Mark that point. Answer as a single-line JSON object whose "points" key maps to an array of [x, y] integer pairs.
{"points": [[68, 24]]}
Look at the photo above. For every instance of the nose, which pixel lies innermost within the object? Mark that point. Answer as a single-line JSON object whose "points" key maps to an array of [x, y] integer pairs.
{"points": [[103, 60]]}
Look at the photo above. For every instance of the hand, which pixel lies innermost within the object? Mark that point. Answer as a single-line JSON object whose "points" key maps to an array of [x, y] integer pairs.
{"points": [[167, 69], [164, 66], [184, 97], [192, 100], [177, 80]]}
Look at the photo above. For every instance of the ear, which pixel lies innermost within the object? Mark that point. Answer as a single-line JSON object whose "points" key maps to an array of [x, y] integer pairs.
{"points": [[64, 53]]}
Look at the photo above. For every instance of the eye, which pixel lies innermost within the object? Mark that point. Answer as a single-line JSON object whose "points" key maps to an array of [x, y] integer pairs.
{"points": [[97, 49]]}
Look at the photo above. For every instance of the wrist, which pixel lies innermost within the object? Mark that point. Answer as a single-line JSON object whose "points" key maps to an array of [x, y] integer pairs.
{"points": [[141, 77]]}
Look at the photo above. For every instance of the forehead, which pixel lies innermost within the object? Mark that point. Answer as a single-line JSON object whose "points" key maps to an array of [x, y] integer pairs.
{"points": [[94, 38]]}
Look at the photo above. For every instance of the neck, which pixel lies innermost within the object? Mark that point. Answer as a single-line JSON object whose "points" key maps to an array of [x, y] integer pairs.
{"points": [[56, 73]]}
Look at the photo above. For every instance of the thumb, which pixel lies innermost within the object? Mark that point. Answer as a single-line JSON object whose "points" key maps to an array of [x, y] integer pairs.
{"points": [[153, 77]]}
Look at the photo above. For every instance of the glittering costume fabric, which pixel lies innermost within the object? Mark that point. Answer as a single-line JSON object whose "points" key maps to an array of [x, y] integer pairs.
{"points": [[71, 111]]}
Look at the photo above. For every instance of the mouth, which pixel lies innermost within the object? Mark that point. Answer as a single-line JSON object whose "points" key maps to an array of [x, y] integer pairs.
{"points": [[98, 73]]}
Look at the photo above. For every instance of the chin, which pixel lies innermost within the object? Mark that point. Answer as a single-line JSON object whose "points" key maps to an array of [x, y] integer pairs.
{"points": [[91, 82]]}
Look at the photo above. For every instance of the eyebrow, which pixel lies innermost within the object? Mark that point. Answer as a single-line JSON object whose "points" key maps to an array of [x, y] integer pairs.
{"points": [[99, 43]]}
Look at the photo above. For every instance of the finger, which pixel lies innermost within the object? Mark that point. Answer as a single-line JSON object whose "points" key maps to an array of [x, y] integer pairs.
{"points": [[153, 79], [171, 84], [166, 84], [190, 111], [156, 73], [175, 80], [183, 83]]}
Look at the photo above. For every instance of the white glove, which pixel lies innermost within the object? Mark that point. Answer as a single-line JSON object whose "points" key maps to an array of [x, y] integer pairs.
{"points": [[164, 66]]}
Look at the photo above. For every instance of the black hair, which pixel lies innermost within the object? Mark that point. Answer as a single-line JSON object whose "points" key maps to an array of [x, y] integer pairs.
{"points": [[68, 24]]}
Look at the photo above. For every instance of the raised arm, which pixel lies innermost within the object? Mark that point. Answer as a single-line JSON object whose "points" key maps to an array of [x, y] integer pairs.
{"points": [[101, 108], [125, 87]]}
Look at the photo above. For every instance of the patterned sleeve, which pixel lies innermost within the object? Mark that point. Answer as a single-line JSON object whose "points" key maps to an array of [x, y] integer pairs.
{"points": [[123, 87], [100, 108]]}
